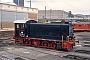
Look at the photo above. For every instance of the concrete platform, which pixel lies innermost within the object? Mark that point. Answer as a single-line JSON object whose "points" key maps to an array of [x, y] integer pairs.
{"points": [[7, 29]]}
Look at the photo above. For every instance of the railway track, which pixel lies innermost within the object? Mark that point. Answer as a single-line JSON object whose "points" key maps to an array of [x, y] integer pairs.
{"points": [[61, 54], [76, 57], [4, 58], [7, 55], [26, 53]]}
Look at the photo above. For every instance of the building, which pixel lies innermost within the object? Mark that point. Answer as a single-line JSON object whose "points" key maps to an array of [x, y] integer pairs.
{"points": [[52, 14], [10, 13], [82, 16], [19, 2], [24, 3]]}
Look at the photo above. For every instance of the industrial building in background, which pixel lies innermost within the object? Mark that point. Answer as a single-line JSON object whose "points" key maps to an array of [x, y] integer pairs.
{"points": [[59, 15], [52, 14], [10, 13]]}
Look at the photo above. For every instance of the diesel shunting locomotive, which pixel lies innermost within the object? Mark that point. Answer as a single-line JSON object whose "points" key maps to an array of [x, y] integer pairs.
{"points": [[45, 35]]}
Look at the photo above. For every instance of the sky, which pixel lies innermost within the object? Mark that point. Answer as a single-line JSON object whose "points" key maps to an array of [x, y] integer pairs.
{"points": [[76, 6]]}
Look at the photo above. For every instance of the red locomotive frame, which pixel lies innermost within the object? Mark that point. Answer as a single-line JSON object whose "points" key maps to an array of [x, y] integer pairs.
{"points": [[45, 43]]}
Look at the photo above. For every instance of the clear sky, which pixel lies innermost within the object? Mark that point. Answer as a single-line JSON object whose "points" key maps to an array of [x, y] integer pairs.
{"points": [[76, 6]]}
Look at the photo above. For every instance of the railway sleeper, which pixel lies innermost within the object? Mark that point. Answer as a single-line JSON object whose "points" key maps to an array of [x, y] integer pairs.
{"points": [[76, 57], [83, 51], [19, 58], [86, 45], [4, 58]]}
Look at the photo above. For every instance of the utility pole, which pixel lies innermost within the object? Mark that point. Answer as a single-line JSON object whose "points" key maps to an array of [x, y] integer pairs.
{"points": [[45, 12], [89, 16], [63, 14], [50, 13], [16, 13], [0, 18], [30, 3]]}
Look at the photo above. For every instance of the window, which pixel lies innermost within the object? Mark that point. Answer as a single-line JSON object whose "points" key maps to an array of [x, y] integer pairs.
{"points": [[17, 26], [19, 2], [16, 1], [7, 16], [21, 15], [22, 25]]}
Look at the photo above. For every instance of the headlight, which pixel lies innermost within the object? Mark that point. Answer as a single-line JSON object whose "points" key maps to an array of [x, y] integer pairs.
{"points": [[22, 34]]}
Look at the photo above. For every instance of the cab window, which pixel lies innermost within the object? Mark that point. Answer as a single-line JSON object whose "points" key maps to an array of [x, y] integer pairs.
{"points": [[17, 26], [22, 25]]}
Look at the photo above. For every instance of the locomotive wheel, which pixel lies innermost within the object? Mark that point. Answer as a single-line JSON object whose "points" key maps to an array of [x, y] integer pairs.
{"points": [[45, 44], [54, 46], [30, 43], [27, 43]]}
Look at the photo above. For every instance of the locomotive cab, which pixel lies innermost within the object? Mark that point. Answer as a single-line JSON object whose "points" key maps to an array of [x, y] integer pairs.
{"points": [[20, 28]]}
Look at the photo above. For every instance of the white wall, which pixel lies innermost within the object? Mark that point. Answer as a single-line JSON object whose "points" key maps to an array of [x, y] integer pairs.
{"points": [[7, 0], [17, 8], [26, 3]]}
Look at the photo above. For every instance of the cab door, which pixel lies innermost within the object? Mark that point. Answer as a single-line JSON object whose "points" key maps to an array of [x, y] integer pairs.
{"points": [[17, 30]]}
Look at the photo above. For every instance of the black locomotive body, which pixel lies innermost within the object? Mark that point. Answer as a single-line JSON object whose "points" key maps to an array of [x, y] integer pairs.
{"points": [[48, 31], [46, 35]]}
